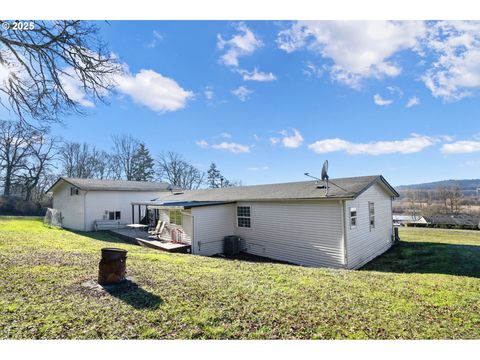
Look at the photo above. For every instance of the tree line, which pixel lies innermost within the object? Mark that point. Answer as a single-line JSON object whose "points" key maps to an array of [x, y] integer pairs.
{"points": [[442, 200], [31, 160]]}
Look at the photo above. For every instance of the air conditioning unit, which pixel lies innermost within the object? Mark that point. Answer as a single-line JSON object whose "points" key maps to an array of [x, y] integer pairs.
{"points": [[231, 245]]}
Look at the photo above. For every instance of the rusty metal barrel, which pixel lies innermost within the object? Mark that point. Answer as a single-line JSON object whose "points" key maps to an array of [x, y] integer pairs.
{"points": [[112, 266]]}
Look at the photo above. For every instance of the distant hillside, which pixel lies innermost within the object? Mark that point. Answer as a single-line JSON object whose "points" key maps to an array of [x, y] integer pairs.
{"points": [[468, 186]]}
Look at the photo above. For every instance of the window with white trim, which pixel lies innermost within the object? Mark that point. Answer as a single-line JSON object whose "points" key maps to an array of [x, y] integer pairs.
{"points": [[353, 218], [175, 217], [371, 215], [114, 215], [74, 191], [243, 217]]}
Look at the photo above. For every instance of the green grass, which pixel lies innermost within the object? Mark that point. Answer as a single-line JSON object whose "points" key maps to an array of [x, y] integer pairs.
{"points": [[427, 287]]}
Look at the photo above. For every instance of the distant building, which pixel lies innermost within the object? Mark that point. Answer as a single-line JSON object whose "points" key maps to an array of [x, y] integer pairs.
{"points": [[83, 201], [409, 220]]}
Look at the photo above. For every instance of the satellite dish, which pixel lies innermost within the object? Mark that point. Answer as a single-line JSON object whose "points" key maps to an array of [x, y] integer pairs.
{"points": [[325, 171], [325, 176]]}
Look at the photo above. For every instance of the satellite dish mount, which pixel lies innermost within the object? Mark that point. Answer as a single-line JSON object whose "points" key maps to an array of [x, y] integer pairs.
{"points": [[325, 176]]}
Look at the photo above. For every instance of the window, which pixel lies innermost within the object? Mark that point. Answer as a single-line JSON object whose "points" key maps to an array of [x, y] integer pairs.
{"points": [[114, 215], [353, 218], [175, 217], [74, 191], [243, 216], [371, 214]]}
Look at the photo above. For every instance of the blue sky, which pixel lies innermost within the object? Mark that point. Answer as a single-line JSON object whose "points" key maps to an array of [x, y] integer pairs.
{"points": [[267, 100]]}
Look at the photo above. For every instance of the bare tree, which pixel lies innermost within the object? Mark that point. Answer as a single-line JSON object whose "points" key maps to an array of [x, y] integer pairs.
{"points": [[15, 138], [125, 147], [45, 59], [42, 153], [76, 160], [101, 164], [456, 196], [178, 172], [443, 195], [82, 161], [412, 196]]}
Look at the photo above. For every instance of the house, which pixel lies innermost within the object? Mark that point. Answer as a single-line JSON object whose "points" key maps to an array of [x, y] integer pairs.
{"points": [[409, 220], [297, 222], [84, 201]]}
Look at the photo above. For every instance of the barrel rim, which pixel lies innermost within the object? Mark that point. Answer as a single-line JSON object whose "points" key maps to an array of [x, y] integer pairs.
{"points": [[114, 249]]}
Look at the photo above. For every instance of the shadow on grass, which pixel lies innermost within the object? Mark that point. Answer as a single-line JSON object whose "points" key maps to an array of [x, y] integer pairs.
{"points": [[429, 258], [243, 256], [132, 294], [106, 236]]}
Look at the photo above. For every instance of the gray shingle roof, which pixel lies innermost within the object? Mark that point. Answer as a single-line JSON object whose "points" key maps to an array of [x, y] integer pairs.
{"points": [[461, 219], [112, 185], [339, 189]]}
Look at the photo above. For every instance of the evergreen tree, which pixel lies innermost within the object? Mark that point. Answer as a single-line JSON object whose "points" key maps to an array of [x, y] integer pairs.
{"points": [[142, 164], [214, 177]]}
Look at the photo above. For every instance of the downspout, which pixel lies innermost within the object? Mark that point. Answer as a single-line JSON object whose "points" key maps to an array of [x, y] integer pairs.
{"points": [[344, 234], [392, 231]]}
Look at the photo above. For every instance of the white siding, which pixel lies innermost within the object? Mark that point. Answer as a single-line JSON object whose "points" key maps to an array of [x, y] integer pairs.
{"points": [[304, 233], [363, 243], [71, 207], [98, 201], [211, 225], [187, 225]]}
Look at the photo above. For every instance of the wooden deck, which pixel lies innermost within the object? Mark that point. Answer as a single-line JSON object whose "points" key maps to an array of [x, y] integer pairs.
{"points": [[139, 237]]}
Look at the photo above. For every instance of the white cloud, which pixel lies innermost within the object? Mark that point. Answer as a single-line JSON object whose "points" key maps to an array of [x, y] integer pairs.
{"points": [[413, 144], [73, 87], [289, 140], [377, 99], [242, 44], [242, 93], [455, 73], [208, 93], [225, 146], [292, 141], [157, 92], [312, 71], [396, 91], [156, 38], [412, 102], [226, 135], [232, 147], [358, 49], [274, 140], [202, 143], [261, 168], [256, 75], [461, 147]]}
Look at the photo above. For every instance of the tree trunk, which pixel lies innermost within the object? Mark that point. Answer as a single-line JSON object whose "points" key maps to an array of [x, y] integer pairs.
{"points": [[7, 183]]}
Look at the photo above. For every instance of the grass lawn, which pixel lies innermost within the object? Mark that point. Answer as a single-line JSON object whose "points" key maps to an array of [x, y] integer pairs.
{"points": [[427, 286]]}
